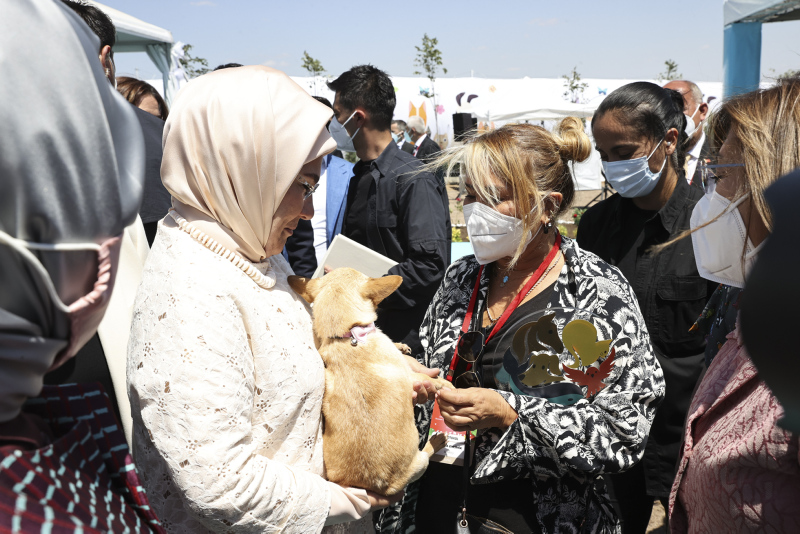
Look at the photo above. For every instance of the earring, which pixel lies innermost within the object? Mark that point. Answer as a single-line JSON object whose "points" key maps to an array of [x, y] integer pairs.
{"points": [[549, 224]]}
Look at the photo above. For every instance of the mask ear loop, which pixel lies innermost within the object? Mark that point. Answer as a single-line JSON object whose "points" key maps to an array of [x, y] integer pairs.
{"points": [[666, 157], [656, 148], [348, 120], [23, 248]]}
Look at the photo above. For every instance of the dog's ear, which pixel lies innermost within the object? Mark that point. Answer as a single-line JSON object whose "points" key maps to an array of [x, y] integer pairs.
{"points": [[308, 288], [377, 289]]}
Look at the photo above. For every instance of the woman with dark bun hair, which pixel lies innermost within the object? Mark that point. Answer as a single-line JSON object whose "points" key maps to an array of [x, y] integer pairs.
{"points": [[502, 327], [639, 132], [143, 95]]}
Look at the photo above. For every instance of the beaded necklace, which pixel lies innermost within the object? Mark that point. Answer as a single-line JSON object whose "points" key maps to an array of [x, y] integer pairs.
{"points": [[208, 242]]}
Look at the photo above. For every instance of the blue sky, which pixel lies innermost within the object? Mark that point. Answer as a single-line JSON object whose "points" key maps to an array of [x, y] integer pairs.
{"points": [[496, 39]]}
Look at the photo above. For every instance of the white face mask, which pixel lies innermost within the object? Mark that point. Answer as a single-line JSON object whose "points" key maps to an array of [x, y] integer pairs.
{"points": [[344, 141], [632, 178], [492, 234], [29, 358], [690, 127], [718, 246]]}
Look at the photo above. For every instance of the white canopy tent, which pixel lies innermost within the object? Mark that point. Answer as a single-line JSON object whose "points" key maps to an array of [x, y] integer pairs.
{"points": [[135, 35], [528, 99], [510, 111], [495, 102]]}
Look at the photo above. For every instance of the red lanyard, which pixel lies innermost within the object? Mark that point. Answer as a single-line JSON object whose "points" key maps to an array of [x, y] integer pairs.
{"points": [[511, 307]]}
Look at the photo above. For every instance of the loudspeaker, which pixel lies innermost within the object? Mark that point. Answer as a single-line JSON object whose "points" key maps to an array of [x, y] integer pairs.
{"points": [[463, 123]]}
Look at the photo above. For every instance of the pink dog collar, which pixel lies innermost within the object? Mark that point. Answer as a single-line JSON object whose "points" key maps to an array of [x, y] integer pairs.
{"points": [[359, 333]]}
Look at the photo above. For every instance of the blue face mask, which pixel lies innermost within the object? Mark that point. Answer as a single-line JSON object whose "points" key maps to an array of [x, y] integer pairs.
{"points": [[395, 138], [632, 178], [407, 137]]}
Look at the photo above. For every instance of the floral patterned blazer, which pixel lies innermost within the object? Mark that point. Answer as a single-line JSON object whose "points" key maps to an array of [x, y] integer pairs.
{"points": [[563, 449]]}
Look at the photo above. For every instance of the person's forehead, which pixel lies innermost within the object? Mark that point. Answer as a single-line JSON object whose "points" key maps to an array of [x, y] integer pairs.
{"points": [[612, 130], [490, 181], [681, 87], [337, 105], [684, 90]]}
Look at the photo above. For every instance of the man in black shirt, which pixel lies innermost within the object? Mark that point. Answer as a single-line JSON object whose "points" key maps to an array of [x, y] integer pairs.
{"points": [[392, 207]]}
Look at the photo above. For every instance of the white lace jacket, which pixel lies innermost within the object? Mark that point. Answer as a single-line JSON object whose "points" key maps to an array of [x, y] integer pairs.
{"points": [[226, 394]]}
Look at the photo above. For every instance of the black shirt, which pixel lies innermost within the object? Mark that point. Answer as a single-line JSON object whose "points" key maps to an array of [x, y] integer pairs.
{"points": [[401, 211], [671, 295], [355, 223], [670, 291], [507, 503], [492, 359]]}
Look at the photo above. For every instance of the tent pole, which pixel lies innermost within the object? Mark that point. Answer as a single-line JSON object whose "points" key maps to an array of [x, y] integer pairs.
{"points": [[741, 63]]}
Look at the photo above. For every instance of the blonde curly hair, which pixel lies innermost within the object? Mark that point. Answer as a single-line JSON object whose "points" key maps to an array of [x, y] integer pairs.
{"points": [[533, 162]]}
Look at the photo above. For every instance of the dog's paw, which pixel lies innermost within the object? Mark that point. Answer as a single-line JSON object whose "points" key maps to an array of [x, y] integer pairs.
{"points": [[402, 347], [437, 441]]}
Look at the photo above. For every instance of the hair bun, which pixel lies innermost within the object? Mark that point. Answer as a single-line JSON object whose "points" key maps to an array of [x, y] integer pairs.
{"points": [[574, 144]]}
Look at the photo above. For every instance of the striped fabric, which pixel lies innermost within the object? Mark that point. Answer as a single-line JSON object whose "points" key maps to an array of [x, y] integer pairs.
{"points": [[84, 480]]}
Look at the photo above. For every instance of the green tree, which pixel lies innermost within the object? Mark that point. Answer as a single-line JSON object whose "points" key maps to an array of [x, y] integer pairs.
{"points": [[671, 73], [314, 68], [429, 60], [193, 66], [573, 86]]}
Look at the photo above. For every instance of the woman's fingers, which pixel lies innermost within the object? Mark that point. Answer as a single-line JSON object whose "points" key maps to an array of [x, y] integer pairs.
{"points": [[423, 392], [459, 423], [457, 397], [474, 408], [378, 501], [417, 367]]}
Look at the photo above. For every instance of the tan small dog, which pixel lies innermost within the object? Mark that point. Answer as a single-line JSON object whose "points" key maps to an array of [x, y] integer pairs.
{"points": [[370, 440]]}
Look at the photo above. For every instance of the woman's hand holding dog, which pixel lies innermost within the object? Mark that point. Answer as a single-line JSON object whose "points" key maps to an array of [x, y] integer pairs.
{"points": [[472, 408], [378, 501]]}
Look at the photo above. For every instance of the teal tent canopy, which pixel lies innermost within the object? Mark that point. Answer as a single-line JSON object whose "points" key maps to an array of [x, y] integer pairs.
{"points": [[742, 39]]}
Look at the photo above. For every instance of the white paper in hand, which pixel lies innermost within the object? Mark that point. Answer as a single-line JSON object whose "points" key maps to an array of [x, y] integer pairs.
{"points": [[345, 252]]}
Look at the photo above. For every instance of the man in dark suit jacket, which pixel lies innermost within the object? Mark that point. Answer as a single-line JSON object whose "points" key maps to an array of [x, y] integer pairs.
{"points": [[401, 137], [425, 148]]}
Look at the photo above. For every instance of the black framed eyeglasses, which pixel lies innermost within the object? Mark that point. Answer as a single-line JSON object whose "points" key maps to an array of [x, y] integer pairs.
{"points": [[470, 347], [710, 174], [310, 189]]}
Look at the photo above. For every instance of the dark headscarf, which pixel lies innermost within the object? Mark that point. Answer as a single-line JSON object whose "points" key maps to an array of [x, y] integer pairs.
{"points": [[71, 172]]}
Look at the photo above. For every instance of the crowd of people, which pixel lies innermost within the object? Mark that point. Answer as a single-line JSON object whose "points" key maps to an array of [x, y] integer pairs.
{"points": [[158, 373]]}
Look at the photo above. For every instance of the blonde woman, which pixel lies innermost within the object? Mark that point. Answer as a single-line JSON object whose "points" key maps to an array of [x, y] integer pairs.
{"points": [[538, 461], [224, 379], [738, 470]]}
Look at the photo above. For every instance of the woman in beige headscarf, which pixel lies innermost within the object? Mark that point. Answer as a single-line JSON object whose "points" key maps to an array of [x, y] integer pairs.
{"points": [[225, 382]]}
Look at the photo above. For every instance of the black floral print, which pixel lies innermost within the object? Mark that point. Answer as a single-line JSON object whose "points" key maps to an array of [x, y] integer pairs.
{"points": [[565, 450]]}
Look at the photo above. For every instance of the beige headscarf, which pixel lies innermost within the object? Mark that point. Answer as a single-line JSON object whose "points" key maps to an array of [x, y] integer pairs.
{"points": [[234, 142]]}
